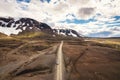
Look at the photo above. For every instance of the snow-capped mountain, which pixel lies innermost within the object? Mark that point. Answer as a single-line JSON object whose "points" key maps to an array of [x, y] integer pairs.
{"points": [[67, 32], [23, 25]]}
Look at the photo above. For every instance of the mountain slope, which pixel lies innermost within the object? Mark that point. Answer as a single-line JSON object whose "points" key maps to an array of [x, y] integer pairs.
{"points": [[67, 32], [2, 35], [25, 25]]}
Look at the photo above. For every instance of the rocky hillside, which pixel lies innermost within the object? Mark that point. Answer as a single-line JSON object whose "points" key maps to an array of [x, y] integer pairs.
{"points": [[67, 32], [24, 25]]}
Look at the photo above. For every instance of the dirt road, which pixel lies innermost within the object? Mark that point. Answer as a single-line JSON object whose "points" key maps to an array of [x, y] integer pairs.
{"points": [[60, 67]]}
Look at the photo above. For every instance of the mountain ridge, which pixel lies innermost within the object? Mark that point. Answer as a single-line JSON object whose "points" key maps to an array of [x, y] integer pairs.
{"points": [[23, 25]]}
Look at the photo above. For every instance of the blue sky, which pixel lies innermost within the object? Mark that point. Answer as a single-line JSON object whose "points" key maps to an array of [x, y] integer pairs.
{"points": [[94, 18]]}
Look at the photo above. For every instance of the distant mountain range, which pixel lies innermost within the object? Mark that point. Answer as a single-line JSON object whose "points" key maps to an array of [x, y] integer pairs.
{"points": [[24, 25]]}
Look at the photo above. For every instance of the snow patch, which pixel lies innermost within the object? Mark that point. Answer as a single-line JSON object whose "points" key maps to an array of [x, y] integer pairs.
{"points": [[24, 27], [9, 31], [74, 35], [4, 22], [30, 27]]}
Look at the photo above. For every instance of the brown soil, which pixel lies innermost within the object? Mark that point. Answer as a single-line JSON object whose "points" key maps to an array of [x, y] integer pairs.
{"points": [[92, 62], [84, 60]]}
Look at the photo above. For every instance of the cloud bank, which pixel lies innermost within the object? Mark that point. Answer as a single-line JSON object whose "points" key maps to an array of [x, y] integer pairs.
{"points": [[96, 18]]}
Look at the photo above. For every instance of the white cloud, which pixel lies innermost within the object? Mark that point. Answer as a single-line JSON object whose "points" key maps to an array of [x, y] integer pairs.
{"points": [[60, 10]]}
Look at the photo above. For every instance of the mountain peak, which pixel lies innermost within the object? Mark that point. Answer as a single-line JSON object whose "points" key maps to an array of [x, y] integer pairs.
{"points": [[24, 25]]}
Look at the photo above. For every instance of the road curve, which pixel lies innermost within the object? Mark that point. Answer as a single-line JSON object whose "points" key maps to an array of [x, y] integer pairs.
{"points": [[60, 67]]}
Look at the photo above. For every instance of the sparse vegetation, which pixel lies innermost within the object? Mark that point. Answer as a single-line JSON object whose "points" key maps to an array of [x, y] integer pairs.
{"points": [[2, 35], [30, 35], [112, 43], [84, 56], [92, 61], [10, 42]]}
